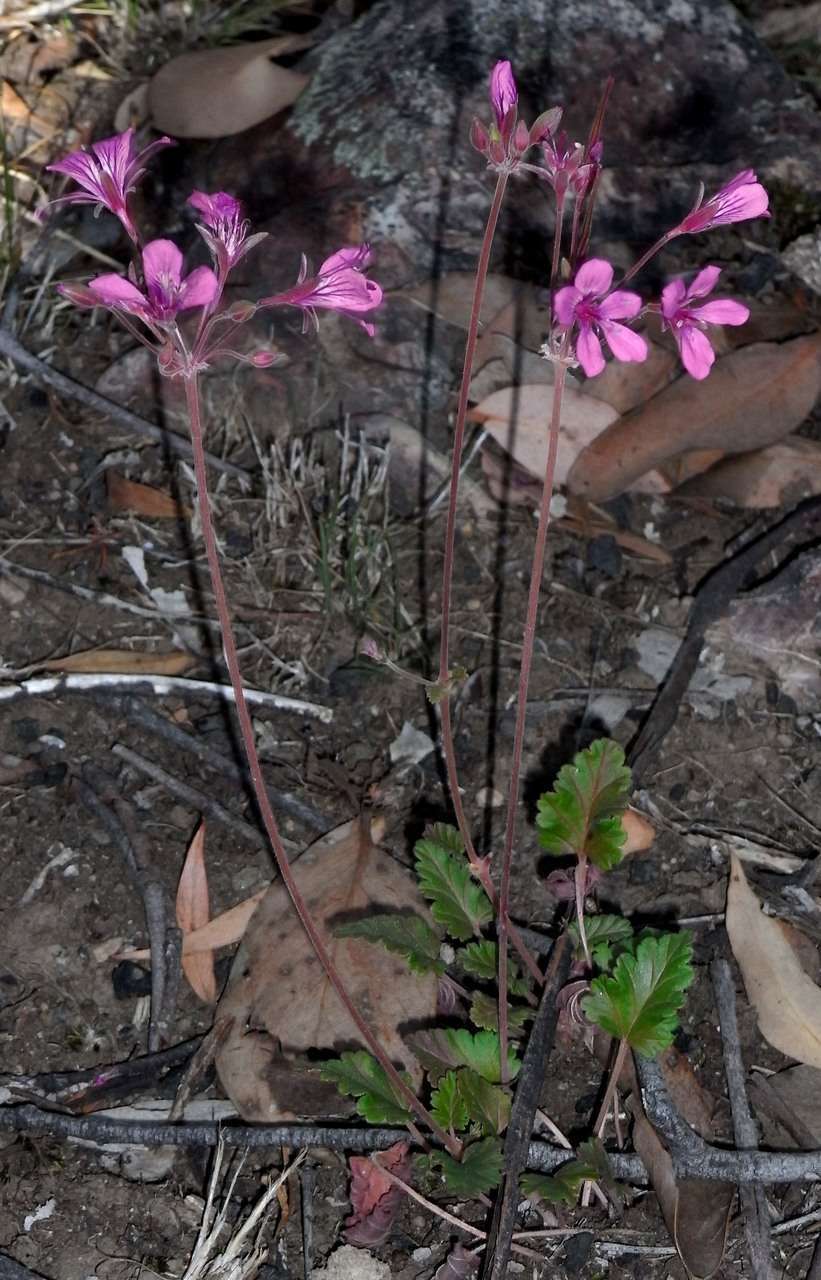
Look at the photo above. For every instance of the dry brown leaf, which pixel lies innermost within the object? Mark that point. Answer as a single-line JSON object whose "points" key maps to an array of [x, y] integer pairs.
{"points": [[640, 832], [696, 1211], [787, 1002], [215, 93], [16, 109], [518, 419], [193, 913], [780, 475], [153, 504], [752, 398], [626, 384], [123, 662], [223, 931], [798, 1089], [280, 999]]}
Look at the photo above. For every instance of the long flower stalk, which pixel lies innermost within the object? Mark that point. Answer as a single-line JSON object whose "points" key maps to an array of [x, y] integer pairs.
{"points": [[247, 731]]}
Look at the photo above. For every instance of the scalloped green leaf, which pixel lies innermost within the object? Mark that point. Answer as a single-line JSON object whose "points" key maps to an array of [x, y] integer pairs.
{"points": [[639, 1001], [443, 1049], [581, 816], [360, 1076], [447, 1104], [479, 960], [606, 936], [487, 1104], [560, 1188], [406, 934], [458, 903], [484, 1013], [479, 1170]]}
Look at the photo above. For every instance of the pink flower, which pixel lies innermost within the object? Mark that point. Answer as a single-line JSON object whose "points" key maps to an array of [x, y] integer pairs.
{"points": [[504, 96], [565, 165], [224, 228], [107, 174], [687, 324], [339, 285], [167, 291], [576, 303], [742, 198]]}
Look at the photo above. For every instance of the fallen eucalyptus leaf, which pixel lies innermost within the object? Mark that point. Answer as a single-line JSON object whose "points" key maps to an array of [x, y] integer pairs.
{"points": [[214, 93], [778, 476], [787, 1002], [123, 662], [193, 913], [282, 1003], [752, 398]]}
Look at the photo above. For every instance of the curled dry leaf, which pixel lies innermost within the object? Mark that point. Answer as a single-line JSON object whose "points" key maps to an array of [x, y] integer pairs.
{"points": [[214, 93], [223, 931], [780, 475], [787, 1002], [752, 398], [193, 913], [640, 832], [282, 1003], [374, 1198], [123, 662]]}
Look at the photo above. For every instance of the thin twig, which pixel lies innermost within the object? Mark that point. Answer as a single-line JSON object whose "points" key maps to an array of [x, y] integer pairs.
{"points": [[191, 796], [223, 765], [150, 889], [160, 686], [745, 1131], [44, 373]]}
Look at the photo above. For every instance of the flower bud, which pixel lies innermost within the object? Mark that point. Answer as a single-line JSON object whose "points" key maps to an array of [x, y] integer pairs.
{"points": [[263, 359], [240, 312], [479, 137]]}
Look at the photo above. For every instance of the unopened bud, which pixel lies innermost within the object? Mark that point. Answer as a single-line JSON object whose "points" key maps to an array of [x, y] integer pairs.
{"points": [[263, 359], [479, 137], [545, 125], [369, 648], [240, 312], [521, 138], [79, 294]]}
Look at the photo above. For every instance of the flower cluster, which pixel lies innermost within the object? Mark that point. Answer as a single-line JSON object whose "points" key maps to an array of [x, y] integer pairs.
{"points": [[507, 140], [156, 289]]}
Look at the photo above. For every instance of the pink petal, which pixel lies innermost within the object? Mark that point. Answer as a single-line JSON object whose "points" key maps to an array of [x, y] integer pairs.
{"points": [[81, 167], [565, 303], [696, 353], [115, 155], [198, 289], [672, 296], [594, 277], [622, 304], [588, 352], [623, 342], [356, 258], [723, 311], [503, 92], [162, 264], [116, 291], [704, 282]]}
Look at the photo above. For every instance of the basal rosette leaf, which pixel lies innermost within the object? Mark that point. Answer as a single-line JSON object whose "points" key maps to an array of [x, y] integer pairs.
{"points": [[444, 1049], [479, 1170], [639, 1001], [360, 1076], [479, 960], [581, 816], [606, 936], [486, 1104], [406, 934], [560, 1188], [458, 903], [484, 1013], [447, 1105]]}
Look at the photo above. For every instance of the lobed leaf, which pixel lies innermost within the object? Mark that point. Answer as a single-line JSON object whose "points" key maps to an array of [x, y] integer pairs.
{"points": [[640, 1000], [447, 1104], [480, 960], [486, 1104], [560, 1188], [458, 903], [479, 1170], [484, 1013], [360, 1076], [606, 936], [405, 934], [582, 814], [443, 1049]]}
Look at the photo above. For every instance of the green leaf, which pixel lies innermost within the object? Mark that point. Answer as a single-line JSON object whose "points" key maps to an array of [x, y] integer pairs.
{"points": [[593, 1153], [639, 1001], [406, 934], [359, 1075], [457, 901], [606, 935], [562, 1187], [447, 1105], [479, 1170], [484, 1012], [445, 1048], [480, 960], [582, 814], [486, 1103]]}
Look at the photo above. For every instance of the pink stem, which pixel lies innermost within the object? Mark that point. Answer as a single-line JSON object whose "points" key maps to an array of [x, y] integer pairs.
{"points": [[246, 728], [528, 641]]}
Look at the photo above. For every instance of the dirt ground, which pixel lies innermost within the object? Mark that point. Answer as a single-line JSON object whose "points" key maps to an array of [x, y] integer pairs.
{"points": [[308, 576]]}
